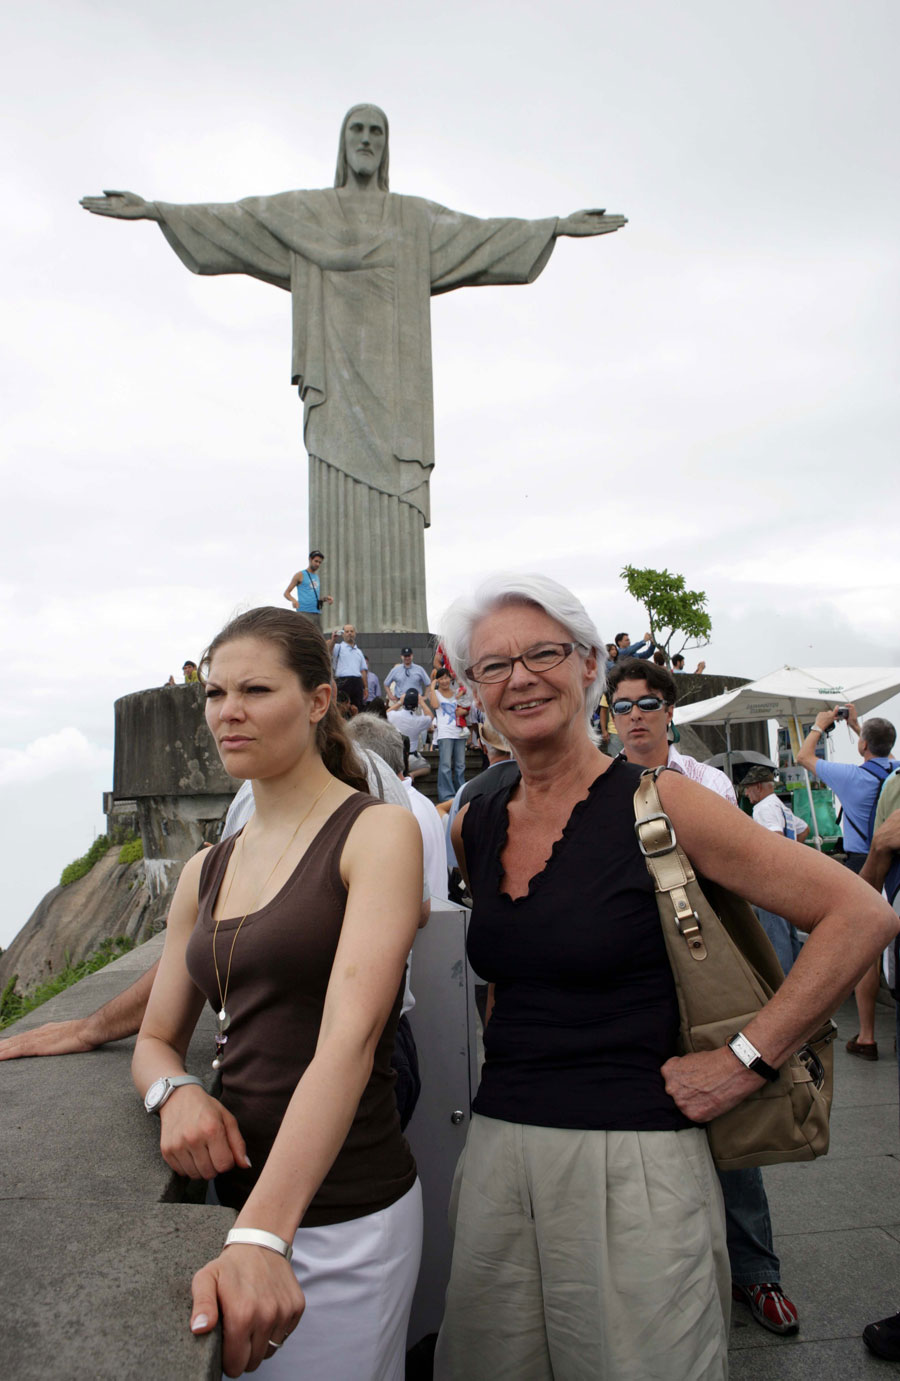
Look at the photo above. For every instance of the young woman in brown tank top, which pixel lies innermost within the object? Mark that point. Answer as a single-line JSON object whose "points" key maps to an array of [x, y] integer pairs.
{"points": [[297, 932]]}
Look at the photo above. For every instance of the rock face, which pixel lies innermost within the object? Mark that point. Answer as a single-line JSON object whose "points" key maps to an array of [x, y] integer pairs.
{"points": [[169, 784], [70, 922]]}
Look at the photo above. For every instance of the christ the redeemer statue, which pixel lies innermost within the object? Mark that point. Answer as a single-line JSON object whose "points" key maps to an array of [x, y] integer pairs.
{"points": [[361, 263]]}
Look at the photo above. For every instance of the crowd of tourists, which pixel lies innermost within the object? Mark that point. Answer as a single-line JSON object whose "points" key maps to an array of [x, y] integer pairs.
{"points": [[593, 1235]]}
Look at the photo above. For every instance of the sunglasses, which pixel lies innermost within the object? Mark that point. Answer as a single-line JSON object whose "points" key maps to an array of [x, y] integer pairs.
{"points": [[643, 702]]}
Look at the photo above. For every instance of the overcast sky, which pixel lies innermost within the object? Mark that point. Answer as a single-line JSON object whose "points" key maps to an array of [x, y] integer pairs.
{"points": [[713, 389]]}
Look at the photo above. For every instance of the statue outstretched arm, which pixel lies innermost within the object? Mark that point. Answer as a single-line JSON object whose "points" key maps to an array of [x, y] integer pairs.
{"points": [[589, 223], [124, 206]]}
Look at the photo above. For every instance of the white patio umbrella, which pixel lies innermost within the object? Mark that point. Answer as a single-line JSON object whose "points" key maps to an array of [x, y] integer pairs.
{"points": [[790, 694]]}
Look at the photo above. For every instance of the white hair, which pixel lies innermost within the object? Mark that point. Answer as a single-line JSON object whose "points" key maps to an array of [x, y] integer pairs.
{"points": [[458, 623], [373, 733]]}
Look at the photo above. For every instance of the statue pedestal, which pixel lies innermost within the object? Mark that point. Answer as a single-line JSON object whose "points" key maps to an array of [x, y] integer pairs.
{"points": [[383, 650]]}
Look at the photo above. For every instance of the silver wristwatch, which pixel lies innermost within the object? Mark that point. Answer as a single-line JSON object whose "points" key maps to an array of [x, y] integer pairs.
{"points": [[748, 1055], [161, 1089]]}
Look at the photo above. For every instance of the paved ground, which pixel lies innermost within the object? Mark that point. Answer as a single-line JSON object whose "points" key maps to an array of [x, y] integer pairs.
{"points": [[837, 1230]]}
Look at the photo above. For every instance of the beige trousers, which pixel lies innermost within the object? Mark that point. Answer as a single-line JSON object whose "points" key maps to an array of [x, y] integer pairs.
{"points": [[585, 1256]]}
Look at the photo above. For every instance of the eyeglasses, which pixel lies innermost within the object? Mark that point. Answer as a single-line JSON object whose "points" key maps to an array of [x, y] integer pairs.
{"points": [[543, 657], [643, 702]]}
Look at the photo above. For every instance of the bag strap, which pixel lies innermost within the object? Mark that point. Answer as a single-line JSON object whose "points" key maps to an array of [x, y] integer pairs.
{"points": [[880, 774], [666, 862], [876, 770]]}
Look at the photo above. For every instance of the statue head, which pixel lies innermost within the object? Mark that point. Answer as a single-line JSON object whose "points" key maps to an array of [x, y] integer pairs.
{"points": [[370, 120]]}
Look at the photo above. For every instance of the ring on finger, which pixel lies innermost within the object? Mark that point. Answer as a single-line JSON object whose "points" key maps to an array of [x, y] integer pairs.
{"points": [[272, 1343]]}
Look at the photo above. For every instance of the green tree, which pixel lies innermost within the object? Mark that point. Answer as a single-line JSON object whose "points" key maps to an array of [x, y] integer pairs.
{"points": [[675, 615]]}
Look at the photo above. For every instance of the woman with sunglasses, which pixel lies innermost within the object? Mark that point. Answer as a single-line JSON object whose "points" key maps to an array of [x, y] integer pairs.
{"points": [[589, 1235]]}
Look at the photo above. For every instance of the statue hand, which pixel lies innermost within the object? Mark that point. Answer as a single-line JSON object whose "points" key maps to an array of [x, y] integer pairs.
{"points": [[589, 223], [125, 206]]}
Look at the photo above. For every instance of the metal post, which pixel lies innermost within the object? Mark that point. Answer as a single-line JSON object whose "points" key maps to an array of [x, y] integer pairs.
{"points": [[813, 822]]}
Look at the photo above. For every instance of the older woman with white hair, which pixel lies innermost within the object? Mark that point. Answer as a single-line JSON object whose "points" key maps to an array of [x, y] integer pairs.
{"points": [[589, 1234]]}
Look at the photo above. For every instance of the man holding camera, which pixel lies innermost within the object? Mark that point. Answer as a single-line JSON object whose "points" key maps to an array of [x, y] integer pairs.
{"points": [[858, 787], [309, 598], [351, 670]]}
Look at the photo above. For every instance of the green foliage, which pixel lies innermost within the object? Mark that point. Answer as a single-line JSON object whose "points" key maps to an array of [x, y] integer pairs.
{"points": [[673, 613], [82, 866], [14, 1005], [131, 851]]}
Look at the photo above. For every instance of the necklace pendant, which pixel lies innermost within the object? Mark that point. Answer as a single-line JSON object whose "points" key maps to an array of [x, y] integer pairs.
{"points": [[224, 1020], [221, 1042]]}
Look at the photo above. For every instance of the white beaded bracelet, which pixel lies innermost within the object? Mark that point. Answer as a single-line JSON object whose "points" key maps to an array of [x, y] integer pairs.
{"points": [[255, 1237]]}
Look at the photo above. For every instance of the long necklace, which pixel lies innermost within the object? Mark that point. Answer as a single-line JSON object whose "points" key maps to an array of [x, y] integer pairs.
{"points": [[222, 1017]]}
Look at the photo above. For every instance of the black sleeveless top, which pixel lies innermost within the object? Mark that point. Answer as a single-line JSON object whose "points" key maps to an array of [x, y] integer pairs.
{"points": [[280, 972], [585, 1010]]}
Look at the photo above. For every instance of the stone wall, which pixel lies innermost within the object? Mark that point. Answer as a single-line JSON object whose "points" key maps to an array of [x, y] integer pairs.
{"points": [[167, 772], [706, 740], [98, 1245]]}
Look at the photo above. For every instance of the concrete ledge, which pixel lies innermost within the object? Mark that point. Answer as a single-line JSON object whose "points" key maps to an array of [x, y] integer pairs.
{"points": [[100, 1292], [98, 1249]]}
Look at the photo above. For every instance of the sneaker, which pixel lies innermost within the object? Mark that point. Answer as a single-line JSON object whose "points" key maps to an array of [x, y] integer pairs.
{"points": [[883, 1338], [769, 1306]]}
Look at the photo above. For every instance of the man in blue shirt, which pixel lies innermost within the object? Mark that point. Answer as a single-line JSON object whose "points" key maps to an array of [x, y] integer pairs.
{"points": [[406, 675], [373, 685], [626, 648], [349, 664], [857, 786], [309, 597]]}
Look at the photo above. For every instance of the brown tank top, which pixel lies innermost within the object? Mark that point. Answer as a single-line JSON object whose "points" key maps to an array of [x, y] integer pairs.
{"points": [[279, 975]]}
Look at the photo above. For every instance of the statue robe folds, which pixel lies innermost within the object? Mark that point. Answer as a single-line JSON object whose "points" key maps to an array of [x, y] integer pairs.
{"points": [[362, 361]]}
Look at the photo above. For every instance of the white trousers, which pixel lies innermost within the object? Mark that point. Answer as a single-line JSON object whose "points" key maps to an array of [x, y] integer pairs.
{"points": [[585, 1256], [358, 1279]]}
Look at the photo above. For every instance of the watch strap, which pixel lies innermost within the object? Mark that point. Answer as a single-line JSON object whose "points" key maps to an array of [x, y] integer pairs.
{"points": [[172, 1082]]}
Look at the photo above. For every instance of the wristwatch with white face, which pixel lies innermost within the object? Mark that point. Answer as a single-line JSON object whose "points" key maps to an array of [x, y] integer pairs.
{"points": [[161, 1089], [748, 1055]]}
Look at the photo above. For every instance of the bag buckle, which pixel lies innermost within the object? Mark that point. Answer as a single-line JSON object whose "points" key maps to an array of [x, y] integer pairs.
{"points": [[663, 848], [812, 1064], [689, 928]]}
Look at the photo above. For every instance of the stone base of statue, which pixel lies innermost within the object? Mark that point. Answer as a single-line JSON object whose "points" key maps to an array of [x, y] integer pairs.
{"points": [[383, 649], [374, 547]]}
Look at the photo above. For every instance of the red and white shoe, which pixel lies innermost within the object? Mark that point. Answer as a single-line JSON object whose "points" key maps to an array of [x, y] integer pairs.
{"points": [[769, 1306]]}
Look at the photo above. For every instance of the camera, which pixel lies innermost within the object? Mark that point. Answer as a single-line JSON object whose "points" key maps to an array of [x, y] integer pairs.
{"points": [[842, 712]]}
